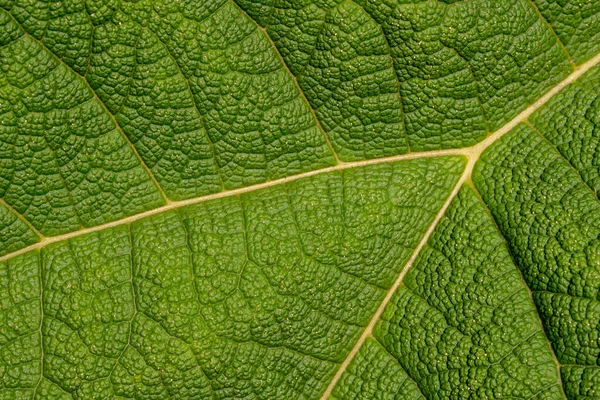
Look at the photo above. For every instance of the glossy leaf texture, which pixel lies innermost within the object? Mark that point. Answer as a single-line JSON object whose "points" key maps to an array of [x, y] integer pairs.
{"points": [[299, 199]]}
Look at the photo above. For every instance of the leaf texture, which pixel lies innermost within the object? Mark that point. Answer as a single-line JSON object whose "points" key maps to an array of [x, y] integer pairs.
{"points": [[299, 199]]}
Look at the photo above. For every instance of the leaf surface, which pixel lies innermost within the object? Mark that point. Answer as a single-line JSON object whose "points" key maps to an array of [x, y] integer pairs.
{"points": [[299, 199]]}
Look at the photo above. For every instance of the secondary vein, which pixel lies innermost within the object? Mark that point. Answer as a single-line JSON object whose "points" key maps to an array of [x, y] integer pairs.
{"points": [[473, 156], [471, 153]]}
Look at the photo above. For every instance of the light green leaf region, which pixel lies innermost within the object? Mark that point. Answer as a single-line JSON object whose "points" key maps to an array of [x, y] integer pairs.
{"points": [[259, 295], [299, 199]]}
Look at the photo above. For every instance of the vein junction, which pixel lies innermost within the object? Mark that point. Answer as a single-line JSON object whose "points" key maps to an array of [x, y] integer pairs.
{"points": [[471, 153], [188, 233]]}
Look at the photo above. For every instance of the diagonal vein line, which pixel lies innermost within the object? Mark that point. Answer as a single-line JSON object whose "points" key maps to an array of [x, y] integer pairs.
{"points": [[525, 285], [227, 193], [369, 328], [293, 77], [551, 28], [100, 102], [200, 116], [22, 218], [526, 113], [472, 153]]}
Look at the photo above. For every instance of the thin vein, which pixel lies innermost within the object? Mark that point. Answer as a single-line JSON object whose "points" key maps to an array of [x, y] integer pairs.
{"points": [[475, 82], [529, 291], [551, 28], [268, 21], [41, 280], [131, 79], [389, 48], [472, 153], [63, 181], [299, 237], [293, 77], [246, 249], [397, 362], [562, 156], [135, 308], [314, 49], [101, 103], [91, 47], [22, 218], [508, 353], [477, 94], [369, 328], [200, 116], [196, 296]]}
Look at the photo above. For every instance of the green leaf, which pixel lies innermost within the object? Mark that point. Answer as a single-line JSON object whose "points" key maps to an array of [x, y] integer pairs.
{"points": [[462, 320], [300, 199]]}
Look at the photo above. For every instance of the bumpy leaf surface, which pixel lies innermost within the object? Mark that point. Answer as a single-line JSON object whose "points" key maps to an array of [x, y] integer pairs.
{"points": [[299, 199]]}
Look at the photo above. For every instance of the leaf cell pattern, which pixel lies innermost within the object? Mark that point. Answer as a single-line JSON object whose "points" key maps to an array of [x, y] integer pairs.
{"points": [[267, 199]]}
